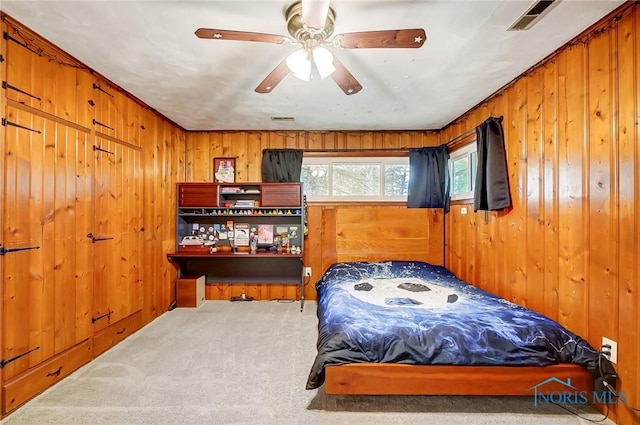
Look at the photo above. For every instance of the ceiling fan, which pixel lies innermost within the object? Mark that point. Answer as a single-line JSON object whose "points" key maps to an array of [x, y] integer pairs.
{"points": [[311, 24]]}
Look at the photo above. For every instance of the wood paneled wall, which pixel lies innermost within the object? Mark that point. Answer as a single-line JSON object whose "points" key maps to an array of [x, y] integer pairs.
{"points": [[163, 165], [336, 232], [65, 90], [79, 156], [3, 106], [569, 247]]}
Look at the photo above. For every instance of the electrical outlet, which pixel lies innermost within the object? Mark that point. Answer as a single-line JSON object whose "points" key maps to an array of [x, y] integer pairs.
{"points": [[613, 357], [307, 271]]}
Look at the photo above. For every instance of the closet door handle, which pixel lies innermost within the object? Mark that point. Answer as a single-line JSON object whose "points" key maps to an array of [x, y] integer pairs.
{"points": [[95, 239], [56, 372]]}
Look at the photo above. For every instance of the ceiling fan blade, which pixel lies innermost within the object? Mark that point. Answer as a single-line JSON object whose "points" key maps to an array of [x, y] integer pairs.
{"points": [[407, 38], [314, 13], [273, 79], [344, 79], [241, 36]]}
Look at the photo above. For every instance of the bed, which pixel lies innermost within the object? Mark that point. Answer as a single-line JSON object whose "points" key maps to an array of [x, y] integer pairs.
{"points": [[408, 327]]}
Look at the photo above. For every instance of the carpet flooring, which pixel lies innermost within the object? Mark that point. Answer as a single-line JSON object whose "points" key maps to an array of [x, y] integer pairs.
{"points": [[246, 363]]}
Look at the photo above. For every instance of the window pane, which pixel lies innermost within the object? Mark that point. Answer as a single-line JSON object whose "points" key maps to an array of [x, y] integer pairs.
{"points": [[461, 175], [474, 168], [356, 180], [396, 180], [315, 179]]}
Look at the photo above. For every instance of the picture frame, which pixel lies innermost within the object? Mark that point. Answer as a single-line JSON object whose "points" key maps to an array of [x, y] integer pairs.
{"points": [[224, 169], [265, 234]]}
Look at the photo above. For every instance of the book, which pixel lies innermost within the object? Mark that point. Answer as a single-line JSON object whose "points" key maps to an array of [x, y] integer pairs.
{"points": [[230, 229], [265, 234], [230, 189], [241, 234], [222, 231]]}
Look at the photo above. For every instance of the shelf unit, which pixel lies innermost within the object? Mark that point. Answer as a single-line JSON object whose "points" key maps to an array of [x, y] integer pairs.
{"points": [[213, 212]]}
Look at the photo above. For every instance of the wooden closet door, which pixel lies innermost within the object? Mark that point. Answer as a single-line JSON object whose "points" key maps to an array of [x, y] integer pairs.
{"points": [[47, 261], [116, 234]]}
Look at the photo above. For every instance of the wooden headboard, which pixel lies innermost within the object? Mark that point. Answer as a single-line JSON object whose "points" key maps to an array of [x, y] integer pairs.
{"points": [[376, 233]]}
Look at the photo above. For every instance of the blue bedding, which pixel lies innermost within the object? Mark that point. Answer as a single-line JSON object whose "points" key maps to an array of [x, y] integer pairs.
{"points": [[415, 313]]}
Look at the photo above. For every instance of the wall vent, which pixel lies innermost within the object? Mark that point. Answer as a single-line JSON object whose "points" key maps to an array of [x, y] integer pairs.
{"points": [[283, 119], [533, 14]]}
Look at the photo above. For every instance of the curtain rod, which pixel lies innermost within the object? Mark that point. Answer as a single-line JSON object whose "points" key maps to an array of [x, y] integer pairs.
{"points": [[357, 150], [466, 133]]}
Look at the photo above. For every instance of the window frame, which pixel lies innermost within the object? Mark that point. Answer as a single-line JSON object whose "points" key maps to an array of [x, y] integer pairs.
{"points": [[465, 147], [383, 158]]}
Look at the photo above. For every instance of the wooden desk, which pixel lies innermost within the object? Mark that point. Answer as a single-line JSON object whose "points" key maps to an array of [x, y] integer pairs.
{"points": [[230, 268]]}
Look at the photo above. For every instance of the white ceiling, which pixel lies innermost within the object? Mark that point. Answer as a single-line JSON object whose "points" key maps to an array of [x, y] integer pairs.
{"points": [[149, 48]]}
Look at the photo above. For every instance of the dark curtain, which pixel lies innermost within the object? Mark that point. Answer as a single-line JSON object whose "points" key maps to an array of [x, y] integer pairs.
{"points": [[492, 179], [281, 165], [429, 178]]}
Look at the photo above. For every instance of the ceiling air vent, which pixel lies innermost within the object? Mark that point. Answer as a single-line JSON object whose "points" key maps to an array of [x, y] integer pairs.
{"points": [[282, 119], [536, 11]]}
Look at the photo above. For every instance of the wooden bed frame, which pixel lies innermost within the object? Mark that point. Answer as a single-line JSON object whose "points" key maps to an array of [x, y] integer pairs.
{"points": [[388, 379], [400, 379]]}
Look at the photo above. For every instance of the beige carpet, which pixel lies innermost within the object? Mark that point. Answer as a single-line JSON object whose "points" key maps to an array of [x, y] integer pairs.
{"points": [[245, 363]]}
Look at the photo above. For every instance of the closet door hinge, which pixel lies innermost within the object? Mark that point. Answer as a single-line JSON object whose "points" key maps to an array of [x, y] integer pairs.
{"points": [[99, 149], [3, 363], [102, 316], [7, 37], [97, 87], [6, 123], [8, 86], [102, 125], [4, 250]]}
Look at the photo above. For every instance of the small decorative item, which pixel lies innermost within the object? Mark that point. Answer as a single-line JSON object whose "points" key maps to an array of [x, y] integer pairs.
{"points": [[285, 243], [277, 243], [253, 240], [224, 170]]}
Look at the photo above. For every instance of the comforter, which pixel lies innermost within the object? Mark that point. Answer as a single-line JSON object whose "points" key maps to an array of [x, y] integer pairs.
{"points": [[415, 313]]}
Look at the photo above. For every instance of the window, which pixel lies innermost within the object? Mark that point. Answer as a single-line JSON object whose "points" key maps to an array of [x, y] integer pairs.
{"points": [[355, 178], [463, 165]]}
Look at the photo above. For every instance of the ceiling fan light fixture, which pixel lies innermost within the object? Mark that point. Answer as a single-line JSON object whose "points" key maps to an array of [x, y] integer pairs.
{"points": [[323, 60], [314, 30], [299, 63]]}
